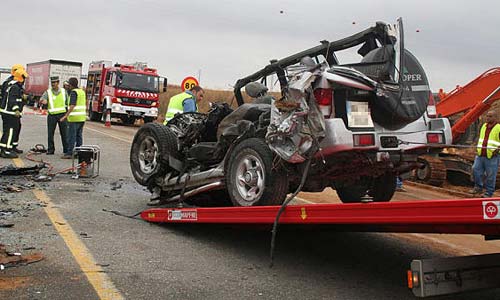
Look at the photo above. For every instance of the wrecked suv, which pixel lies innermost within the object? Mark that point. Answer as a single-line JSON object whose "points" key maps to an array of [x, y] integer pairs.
{"points": [[353, 127]]}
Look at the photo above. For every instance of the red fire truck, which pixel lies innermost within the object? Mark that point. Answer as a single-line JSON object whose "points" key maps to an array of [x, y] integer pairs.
{"points": [[130, 92]]}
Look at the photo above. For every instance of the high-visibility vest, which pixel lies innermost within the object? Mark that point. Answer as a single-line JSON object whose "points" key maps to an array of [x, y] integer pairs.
{"points": [[493, 140], [79, 113], [56, 103], [175, 105]]}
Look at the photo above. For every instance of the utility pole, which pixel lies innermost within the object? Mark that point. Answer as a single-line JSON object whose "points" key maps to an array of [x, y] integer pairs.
{"points": [[199, 76]]}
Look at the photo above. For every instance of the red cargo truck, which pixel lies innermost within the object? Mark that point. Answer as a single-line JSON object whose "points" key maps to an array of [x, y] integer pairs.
{"points": [[129, 92], [40, 72]]}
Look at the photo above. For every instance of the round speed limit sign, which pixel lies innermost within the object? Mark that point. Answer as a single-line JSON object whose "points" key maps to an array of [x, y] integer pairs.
{"points": [[188, 83]]}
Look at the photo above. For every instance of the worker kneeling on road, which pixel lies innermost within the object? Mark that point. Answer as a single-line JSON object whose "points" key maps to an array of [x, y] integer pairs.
{"points": [[55, 99], [11, 108], [76, 116], [184, 102], [486, 162]]}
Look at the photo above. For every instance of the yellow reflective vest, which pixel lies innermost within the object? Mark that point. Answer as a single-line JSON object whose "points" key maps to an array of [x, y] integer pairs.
{"points": [[175, 105], [56, 104], [493, 140], [79, 113]]}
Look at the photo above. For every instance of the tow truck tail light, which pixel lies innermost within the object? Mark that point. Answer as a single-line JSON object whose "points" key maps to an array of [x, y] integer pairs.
{"points": [[431, 107], [363, 140], [434, 138], [324, 98]]}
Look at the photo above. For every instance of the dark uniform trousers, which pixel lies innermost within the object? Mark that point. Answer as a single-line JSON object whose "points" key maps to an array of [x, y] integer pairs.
{"points": [[11, 128], [52, 122]]}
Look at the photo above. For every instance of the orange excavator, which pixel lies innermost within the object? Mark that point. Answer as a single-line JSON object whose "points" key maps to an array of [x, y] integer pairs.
{"points": [[463, 106]]}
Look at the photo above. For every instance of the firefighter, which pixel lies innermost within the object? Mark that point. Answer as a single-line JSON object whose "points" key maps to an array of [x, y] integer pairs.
{"points": [[76, 116], [55, 99], [11, 109], [9, 79], [487, 159], [184, 102]]}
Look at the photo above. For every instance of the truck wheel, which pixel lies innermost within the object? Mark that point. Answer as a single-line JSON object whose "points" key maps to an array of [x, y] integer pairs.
{"points": [[250, 177], [94, 116], [383, 187], [351, 193], [151, 147], [127, 120]]}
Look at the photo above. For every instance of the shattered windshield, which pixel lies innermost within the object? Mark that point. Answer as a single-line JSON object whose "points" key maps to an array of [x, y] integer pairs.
{"points": [[137, 82]]}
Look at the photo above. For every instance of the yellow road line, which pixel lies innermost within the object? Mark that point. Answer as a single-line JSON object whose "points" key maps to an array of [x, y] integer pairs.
{"points": [[101, 283], [110, 135]]}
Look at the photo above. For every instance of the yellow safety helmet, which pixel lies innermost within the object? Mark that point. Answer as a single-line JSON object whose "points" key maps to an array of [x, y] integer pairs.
{"points": [[20, 75], [16, 67]]}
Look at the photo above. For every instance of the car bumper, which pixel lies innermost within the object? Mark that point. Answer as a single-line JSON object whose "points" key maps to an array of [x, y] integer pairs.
{"points": [[410, 138]]}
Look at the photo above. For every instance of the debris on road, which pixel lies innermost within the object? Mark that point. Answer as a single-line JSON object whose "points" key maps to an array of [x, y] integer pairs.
{"points": [[85, 235], [12, 170], [11, 259], [6, 225], [116, 185]]}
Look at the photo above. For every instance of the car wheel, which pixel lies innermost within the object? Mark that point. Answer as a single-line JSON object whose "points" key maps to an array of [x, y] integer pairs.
{"points": [[250, 176], [351, 193], [151, 147], [383, 187]]}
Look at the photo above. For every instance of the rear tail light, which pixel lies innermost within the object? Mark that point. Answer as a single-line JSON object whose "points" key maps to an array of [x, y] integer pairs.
{"points": [[324, 98], [413, 279], [363, 140], [431, 107], [435, 138]]}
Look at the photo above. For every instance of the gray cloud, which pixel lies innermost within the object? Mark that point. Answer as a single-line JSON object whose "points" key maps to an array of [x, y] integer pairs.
{"points": [[457, 40]]}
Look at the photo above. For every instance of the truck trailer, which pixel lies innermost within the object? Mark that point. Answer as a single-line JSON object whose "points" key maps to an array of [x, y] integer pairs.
{"points": [[40, 72]]}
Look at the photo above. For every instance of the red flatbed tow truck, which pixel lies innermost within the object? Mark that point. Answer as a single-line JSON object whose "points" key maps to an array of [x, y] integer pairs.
{"points": [[426, 277]]}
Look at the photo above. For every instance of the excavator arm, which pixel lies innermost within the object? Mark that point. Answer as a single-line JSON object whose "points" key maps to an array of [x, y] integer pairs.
{"points": [[473, 99]]}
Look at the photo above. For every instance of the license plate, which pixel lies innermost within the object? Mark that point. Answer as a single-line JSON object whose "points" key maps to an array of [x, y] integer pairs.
{"points": [[135, 113]]}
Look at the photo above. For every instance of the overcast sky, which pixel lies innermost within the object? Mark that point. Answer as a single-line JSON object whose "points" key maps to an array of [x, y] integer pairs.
{"points": [[226, 40]]}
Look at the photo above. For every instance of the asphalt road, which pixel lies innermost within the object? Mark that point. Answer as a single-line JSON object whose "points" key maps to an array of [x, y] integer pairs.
{"points": [[94, 254]]}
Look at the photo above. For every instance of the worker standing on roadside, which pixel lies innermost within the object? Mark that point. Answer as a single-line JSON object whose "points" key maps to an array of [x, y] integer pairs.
{"points": [[66, 87], [486, 161], [76, 116], [11, 107], [184, 102], [55, 99]]}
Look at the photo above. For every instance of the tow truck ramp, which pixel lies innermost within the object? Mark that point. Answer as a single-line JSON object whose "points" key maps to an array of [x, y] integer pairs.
{"points": [[426, 277]]}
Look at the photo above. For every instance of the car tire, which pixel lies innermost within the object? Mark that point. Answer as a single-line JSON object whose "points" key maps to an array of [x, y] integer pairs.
{"points": [[250, 177], [383, 187], [351, 193], [149, 154]]}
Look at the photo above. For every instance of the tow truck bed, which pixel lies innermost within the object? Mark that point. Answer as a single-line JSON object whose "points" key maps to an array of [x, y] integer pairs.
{"points": [[426, 277], [468, 216]]}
